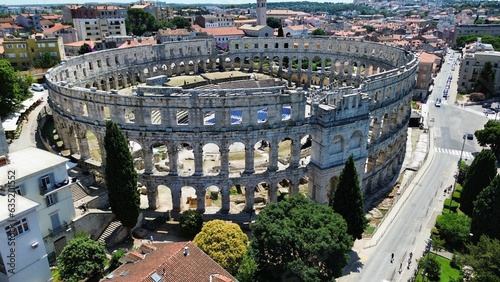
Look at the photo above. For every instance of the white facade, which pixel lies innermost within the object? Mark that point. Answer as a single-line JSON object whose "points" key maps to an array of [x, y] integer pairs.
{"points": [[22, 253], [42, 177], [98, 29]]}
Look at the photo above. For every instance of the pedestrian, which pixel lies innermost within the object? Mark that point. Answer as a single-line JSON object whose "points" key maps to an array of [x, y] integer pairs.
{"points": [[411, 255], [151, 239], [400, 267]]}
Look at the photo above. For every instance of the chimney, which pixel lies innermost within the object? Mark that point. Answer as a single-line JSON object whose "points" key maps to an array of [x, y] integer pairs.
{"points": [[186, 251]]}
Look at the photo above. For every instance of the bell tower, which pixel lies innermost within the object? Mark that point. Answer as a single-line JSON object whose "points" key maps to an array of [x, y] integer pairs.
{"points": [[261, 12]]}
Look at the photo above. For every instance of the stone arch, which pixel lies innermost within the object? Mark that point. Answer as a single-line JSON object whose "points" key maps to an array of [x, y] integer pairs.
{"points": [[332, 185], [284, 153], [189, 200], [337, 144], [211, 159], [261, 155], [305, 149], [213, 199], [237, 158], [161, 157], [94, 146], [356, 140]]}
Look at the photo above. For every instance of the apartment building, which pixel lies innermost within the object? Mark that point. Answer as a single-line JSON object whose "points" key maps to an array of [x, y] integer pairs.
{"points": [[477, 29], [426, 69], [71, 12], [66, 32], [472, 64], [98, 29], [21, 51], [213, 21]]}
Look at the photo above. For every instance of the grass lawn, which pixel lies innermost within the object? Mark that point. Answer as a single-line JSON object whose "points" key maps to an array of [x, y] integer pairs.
{"points": [[447, 272]]}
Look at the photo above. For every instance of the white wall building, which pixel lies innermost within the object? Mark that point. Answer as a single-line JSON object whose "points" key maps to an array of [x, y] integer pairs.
{"points": [[22, 253], [98, 29]]}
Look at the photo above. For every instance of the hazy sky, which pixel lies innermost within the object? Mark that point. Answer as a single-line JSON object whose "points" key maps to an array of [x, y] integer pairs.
{"points": [[215, 2]]}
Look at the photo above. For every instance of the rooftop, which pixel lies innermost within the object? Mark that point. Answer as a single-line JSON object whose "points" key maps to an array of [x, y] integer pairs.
{"points": [[22, 204]]}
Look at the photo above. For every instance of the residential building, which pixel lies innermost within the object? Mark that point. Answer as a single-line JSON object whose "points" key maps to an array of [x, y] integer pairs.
{"points": [[97, 29], [71, 12], [222, 34], [169, 35], [471, 66], [211, 21], [22, 252], [20, 52], [477, 29], [29, 21], [169, 262], [426, 69], [296, 30], [46, 24], [66, 32], [257, 30]]}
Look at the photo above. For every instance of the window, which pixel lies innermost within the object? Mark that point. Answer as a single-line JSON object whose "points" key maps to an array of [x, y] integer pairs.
{"points": [[51, 199], [53, 54], [9, 46], [23, 55], [45, 182], [52, 45], [17, 228], [12, 55]]}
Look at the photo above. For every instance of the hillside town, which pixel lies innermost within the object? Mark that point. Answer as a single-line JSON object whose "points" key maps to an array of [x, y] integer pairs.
{"points": [[53, 174]]}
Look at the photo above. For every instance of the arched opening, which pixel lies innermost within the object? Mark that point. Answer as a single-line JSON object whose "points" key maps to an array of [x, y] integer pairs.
{"points": [[211, 159], [161, 159], [188, 198], [185, 159], [284, 153], [237, 198], [236, 159], [261, 156], [94, 149], [213, 199], [305, 150], [332, 185]]}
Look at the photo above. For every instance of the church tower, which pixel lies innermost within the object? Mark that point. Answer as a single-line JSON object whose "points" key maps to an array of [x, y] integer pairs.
{"points": [[261, 12]]}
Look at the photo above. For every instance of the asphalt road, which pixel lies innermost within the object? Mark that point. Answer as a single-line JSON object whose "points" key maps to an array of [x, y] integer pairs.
{"points": [[414, 215]]}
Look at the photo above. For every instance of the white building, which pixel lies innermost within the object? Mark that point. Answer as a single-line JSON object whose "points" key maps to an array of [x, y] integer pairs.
{"points": [[98, 29], [22, 253], [42, 177]]}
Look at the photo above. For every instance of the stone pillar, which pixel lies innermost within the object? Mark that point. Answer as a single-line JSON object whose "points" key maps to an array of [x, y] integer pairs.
{"points": [[249, 158], [200, 199], [294, 190], [225, 199], [148, 159], [272, 194], [273, 155], [261, 64], [100, 137], [84, 146], [176, 198], [173, 158], [376, 130], [295, 158], [198, 160], [153, 202], [249, 198], [224, 160]]}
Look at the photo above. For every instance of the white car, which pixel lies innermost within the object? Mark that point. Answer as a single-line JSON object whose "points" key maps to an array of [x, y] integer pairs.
{"points": [[36, 87]]}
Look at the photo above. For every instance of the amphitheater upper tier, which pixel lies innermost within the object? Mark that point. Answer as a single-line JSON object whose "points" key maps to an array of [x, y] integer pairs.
{"points": [[268, 114]]}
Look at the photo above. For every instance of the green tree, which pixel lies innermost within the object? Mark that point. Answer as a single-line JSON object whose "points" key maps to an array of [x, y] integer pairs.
{"points": [[273, 22], [485, 82], [80, 259], [191, 222], [454, 228], [484, 258], [280, 32], [486, 215], [369, 28], [121, 177], [46, 61], [11, 93], [479, 175], [347, 199], [179, 22], [489, 136], [248, 268], [319, 32], [224, 242], [85, 48], [299, 239], [431, 266], [139, 21]]}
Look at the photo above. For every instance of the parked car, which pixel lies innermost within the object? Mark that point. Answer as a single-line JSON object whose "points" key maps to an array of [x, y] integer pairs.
{"points": [[438, 102], [36, 87], [470, 136], [487, 105]]}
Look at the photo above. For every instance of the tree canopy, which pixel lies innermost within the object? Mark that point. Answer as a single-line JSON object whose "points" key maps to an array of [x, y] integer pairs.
{"points": [[484, 257], [139, 21], [80, 259], [347, 199], [46, 61], [318, 31], [121, 177], [486, 215], [191, 222], [273, 22], [490, 136], [224, 242], [454, 228], [298, 238], [85, 48], [485, 82], [463, 40], [13, 92], [479, 175], [178, 22]]}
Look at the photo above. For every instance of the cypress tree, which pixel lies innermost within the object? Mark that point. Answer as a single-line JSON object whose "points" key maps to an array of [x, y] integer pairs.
{"points": [[347, 200], [121, 177], [479, 175], [486, 215]]}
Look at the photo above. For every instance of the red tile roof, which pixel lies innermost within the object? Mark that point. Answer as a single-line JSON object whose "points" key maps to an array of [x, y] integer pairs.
{"points": [[168, 261]]}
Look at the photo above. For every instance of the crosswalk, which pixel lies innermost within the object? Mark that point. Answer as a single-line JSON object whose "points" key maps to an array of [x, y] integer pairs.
{"points": [[465, 155]]}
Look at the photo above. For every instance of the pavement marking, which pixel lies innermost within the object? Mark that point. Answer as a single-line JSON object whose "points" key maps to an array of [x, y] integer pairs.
{"points": [[465, 155]]}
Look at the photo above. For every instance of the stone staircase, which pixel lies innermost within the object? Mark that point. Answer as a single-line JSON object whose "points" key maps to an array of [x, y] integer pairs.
{"points": [[78, 192], [108, 234]]}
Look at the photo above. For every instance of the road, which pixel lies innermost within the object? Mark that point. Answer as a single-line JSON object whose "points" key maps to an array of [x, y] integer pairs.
{"points": [[414, 214]]}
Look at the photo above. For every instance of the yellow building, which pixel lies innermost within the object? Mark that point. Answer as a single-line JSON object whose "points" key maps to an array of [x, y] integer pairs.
{"points": [[21, 51]]}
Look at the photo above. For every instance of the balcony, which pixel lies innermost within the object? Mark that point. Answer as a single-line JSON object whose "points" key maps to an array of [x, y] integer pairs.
{"points": [[57, 231], [44, 190]]}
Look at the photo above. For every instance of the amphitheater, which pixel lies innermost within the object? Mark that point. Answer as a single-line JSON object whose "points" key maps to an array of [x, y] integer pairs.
{"points": [[269, 113]]}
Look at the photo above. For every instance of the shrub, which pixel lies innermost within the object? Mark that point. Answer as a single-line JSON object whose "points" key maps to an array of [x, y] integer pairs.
{"points": [[477, 96], [114, 263], [191, 222], [453, 207], [456, 196]]}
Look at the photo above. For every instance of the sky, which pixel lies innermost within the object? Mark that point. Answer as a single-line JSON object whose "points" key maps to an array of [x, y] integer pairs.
{"points": [[214, 2]]}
